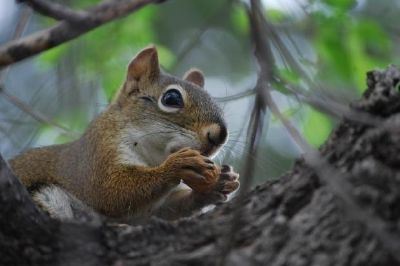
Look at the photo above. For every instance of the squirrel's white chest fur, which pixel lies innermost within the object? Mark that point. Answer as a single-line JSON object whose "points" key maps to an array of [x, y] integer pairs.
{"points": [[139, 146], [150, 145]]}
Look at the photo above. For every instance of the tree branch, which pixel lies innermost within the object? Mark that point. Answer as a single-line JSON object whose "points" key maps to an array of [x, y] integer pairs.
{"points": [[65, 31], [257, 119], [56, 11]]}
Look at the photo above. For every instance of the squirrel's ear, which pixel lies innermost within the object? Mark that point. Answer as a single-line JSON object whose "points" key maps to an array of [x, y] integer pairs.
{"points": [[144, 64], [195, 76]]}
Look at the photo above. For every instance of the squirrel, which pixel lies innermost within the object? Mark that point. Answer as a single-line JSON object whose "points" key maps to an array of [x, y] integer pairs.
{"points": [[147, 154]]}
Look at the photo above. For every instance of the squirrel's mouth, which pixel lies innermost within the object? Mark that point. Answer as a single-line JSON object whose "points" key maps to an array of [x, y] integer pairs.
{"points": [[209, 150], [205, 147]]}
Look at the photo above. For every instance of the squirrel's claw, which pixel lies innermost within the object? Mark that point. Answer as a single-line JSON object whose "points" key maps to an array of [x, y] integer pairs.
{"points": [[226, 184]]}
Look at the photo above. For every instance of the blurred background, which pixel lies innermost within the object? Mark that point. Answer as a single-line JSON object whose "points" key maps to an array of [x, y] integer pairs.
{"points": [[322, 48]]}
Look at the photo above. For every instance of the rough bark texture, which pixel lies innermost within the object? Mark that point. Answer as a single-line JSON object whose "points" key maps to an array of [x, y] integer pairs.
{"points": [[292, 221]]}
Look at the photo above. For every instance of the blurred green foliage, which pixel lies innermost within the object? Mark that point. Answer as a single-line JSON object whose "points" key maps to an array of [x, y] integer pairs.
{"points": [[348, 45]]}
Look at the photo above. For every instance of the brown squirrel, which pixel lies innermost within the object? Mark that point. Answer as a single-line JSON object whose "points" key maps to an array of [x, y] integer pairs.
{"points": [[158, 131]]}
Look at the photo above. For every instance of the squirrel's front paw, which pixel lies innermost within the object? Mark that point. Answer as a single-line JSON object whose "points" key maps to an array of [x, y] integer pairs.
{"points": [[196, 170], [228, 180], [227, 183]]}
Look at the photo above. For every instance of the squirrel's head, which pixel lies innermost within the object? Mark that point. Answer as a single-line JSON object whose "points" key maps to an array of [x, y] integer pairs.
{"points": [[164, 113]]}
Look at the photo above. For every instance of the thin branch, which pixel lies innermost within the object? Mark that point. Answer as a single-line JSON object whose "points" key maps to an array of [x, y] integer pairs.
{"points": [[22, 22], [237, 96], [195, 40], [65, 31], [328, 105], [265, 76], [19, 30], [21, 25], [269, 30], [56, 11], [331, 106], [35, 114]]}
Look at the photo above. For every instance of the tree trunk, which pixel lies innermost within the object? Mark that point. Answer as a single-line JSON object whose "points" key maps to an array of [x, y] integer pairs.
{"points": [[295, 220]]}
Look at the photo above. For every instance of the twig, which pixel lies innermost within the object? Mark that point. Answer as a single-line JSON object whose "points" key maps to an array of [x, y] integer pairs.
{"points": [[21, 25], [22, 22], [237, 96], [193, 42], [19, 30], [332, 107], [57, 11], [65, 31], [35, 114], [265, 75], [328, 106], [269, 30]]}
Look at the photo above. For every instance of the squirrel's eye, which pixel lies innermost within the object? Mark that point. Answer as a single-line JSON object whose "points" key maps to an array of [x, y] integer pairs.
{"points": [[172, 98]]}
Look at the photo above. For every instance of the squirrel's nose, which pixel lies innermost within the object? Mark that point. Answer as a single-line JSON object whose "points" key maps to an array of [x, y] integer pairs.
{"points": [[217, 134]]}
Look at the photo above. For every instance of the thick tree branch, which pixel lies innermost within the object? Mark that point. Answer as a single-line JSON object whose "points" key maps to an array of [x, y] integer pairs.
{"points": [[65, 31]]}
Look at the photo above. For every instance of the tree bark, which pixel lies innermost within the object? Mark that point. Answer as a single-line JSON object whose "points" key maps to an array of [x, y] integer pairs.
{"points": [[294, 220]]}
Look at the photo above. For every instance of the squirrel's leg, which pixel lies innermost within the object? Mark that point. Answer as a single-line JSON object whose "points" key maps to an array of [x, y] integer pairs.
{"points": [[179, 203], [55, 201], [60, 204], [137, 190], [183, 201]]}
